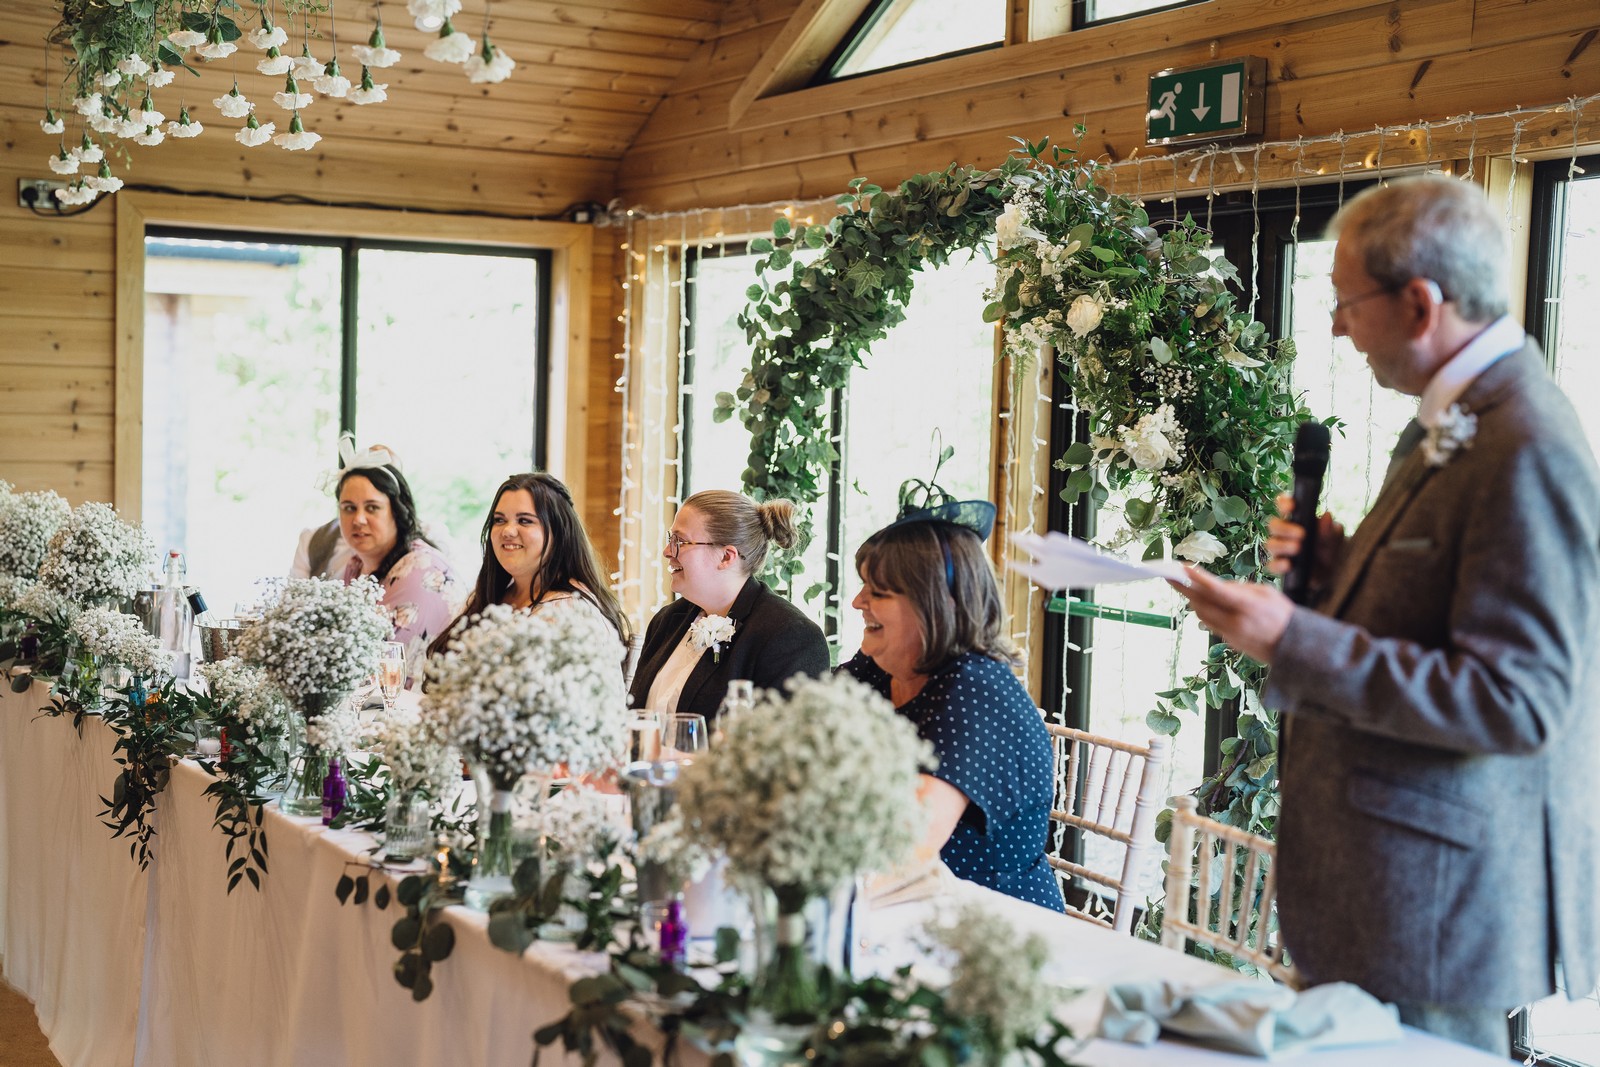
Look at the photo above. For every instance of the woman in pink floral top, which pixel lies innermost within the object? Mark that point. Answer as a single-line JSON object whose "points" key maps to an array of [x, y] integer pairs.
{"points": [[378, 518]]}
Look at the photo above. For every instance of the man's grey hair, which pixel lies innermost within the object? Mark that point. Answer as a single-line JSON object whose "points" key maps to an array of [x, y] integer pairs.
{"points": [[1431, 227]]}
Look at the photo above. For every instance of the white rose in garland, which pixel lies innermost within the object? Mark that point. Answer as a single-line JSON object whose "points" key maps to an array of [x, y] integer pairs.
{"points": [[96, 556], [806, 791], [27, 523]]}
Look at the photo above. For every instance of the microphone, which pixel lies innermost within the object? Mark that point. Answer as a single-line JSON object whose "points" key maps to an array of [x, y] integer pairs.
{"points": [[1310, 464]]}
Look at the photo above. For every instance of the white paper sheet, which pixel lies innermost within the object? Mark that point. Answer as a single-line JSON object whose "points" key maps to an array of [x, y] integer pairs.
{"points": [[1062, 562]]}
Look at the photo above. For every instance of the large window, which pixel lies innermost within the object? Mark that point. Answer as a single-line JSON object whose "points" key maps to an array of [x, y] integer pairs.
{"points": [[929, 384], [259, 351], [895, 33]]}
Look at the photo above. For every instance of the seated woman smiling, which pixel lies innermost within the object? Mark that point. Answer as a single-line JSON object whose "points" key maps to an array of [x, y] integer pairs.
{"points": [[934, 647], [378, 518], [538, 556]]}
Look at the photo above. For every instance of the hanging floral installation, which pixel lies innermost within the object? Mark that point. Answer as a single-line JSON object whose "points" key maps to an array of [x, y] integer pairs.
{"points": [[119, 54]]}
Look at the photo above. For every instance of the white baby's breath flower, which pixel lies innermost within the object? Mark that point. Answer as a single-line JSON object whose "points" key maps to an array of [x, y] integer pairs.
{"points": [[1200, 547], [232, 104], [121, 639], [243, 700], [997, 976], [335, 731], [97, 556], [47, 606], [27, 523], [318, 639], [810, 788], [418, 756]]}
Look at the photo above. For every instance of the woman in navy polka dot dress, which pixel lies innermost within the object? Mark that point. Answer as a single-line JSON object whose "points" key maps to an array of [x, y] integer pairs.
{"points": [[934, 646]]}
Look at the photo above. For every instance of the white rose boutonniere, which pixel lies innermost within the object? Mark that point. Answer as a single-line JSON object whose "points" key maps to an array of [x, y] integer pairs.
{"points": [[711, 631], [1455, 430]]}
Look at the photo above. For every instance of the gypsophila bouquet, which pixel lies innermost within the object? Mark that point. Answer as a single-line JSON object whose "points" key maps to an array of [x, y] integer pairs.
{"points": [[27, 522], [519, 692], [318, 640], [335, 731], [243, 700], [46, 607], [116, 638], [996, 976], [418, 758], [583, 825], [96, 556], [12, 587], [810, 788], [671, 847]]}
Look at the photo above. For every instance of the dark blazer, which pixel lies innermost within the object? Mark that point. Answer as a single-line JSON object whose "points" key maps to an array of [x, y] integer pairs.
{"points": [[1439, 830], [772, 641]]}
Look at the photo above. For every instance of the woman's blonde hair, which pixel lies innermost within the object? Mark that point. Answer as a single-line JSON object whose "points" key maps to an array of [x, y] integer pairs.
{"points": [[734, 519]]}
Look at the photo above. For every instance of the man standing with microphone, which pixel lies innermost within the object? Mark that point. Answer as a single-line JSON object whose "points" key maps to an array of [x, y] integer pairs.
{"points": [[1439, 831]]}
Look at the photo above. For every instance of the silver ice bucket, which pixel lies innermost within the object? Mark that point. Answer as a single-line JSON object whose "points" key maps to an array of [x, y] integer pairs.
{"points": [[220, 640]]}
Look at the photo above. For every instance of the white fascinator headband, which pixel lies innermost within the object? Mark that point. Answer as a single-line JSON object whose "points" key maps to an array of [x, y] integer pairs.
{"points": [[350, 459]]}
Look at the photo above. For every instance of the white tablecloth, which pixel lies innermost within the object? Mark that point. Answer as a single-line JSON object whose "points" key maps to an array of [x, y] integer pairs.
{"points": [[165, 969]]}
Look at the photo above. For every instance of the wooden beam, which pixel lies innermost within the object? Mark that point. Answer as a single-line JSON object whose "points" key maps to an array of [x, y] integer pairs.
{"points": [[801, 47]]}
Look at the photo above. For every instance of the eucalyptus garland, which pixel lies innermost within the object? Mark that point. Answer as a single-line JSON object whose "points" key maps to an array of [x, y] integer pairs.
{"points": [[1188, 399]]}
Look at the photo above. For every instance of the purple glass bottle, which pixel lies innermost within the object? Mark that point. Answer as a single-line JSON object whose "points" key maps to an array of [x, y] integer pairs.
{"points": [[674, 935], [333, 791]]}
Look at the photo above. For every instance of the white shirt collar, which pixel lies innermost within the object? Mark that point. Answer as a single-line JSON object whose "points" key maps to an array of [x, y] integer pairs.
{"points": [[1500, 338]]}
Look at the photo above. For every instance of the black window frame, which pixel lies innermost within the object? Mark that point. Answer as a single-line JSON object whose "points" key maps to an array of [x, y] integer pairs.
{"points": [[1082, 20], [349, 285]]}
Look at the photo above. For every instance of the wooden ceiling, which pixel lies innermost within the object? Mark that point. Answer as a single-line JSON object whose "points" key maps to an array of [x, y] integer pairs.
{"points": [[589, 74]]}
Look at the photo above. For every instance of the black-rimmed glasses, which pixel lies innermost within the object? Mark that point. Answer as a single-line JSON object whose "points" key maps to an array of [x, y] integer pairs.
{"points": [[674, 543]]}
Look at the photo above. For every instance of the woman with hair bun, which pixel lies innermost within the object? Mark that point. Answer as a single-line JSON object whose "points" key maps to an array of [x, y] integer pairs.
{"points": [[725, 623]]}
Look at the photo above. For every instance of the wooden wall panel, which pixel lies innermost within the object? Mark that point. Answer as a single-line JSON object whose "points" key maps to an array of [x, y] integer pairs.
{"points": [[1333, 65]]}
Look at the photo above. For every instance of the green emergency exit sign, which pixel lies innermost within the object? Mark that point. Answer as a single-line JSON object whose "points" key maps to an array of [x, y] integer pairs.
{"points": [[1220, 102]]}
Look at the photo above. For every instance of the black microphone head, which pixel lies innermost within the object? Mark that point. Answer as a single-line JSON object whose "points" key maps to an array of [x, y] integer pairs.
{"points": [[1311, 445]]}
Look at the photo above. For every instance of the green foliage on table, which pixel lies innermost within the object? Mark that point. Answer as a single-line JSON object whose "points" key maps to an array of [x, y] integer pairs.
{"points": [[539, 892], [421, 934], [152, 729], [367, 793]]}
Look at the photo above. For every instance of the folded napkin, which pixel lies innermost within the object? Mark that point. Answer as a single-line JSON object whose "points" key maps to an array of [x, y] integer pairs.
{"points": [[1252, 1017]]}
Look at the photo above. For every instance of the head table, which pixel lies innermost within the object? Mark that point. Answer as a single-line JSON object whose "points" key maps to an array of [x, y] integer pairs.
{"points": [[163, 967]]}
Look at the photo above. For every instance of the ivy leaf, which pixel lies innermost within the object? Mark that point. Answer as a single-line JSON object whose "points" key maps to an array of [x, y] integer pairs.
{"points": [[1156, 549], [1140, 512], [863, 277], [1078, 454], [1162, 723], [761, 244], [1230, 509], [781, 226]]}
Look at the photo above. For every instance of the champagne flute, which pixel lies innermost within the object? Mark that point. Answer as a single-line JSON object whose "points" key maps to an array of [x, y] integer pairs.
{"points": [[392, 672], [686, 737], [644, 736]]}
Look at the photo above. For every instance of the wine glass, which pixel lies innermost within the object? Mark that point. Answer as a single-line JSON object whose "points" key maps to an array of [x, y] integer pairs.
{"points": [[392, 671], [685, 737], [644, 736]]}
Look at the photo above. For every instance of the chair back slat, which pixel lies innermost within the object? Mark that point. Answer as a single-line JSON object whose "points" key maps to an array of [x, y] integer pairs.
{"points": [[1111, 789]]}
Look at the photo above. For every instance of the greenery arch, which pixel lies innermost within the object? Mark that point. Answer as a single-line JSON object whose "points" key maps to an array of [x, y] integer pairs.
{"points": [[1191, 414]]}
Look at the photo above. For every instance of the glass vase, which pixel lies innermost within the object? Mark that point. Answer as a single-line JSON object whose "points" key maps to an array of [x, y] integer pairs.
{"points": [[405, 826], [801, 948], [302, 792], [496, 855]]}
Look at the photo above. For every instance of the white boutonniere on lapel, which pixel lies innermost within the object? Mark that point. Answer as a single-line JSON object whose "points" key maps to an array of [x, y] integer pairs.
{"points": [[711, 631], [1454, 432]]}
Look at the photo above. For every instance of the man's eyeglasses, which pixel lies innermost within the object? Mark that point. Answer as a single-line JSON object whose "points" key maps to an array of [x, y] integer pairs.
{"points": [[674, 543], [1340, 305]]}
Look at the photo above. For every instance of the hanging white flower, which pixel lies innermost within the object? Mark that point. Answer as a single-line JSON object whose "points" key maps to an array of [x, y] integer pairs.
{"points": [[160, 77], [369, 93], [51, 123], [298, 138], [215, 47], [275, 63], [1200, 547], [107, 79], [101, 123], [88, 152], [255, 132], [291, 98], [267, 36], [232, 104], [376, 53], [105, 181], [451, 47], [128, 128], [88, 106], [490, 65], [150, 137], [429, 15], [185, 126], [181, 39], [133, 65], [306, 65], [148, 115], [332, 83], [65, 162]]}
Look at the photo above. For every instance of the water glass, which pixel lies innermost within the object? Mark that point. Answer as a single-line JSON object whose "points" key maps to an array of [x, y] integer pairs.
{"points": [[685, 738], [392, 671], [644, 736]]}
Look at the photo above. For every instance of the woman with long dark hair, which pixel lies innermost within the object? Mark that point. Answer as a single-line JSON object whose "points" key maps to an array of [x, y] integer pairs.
{"points": [[378, 519], [538, 556]]}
